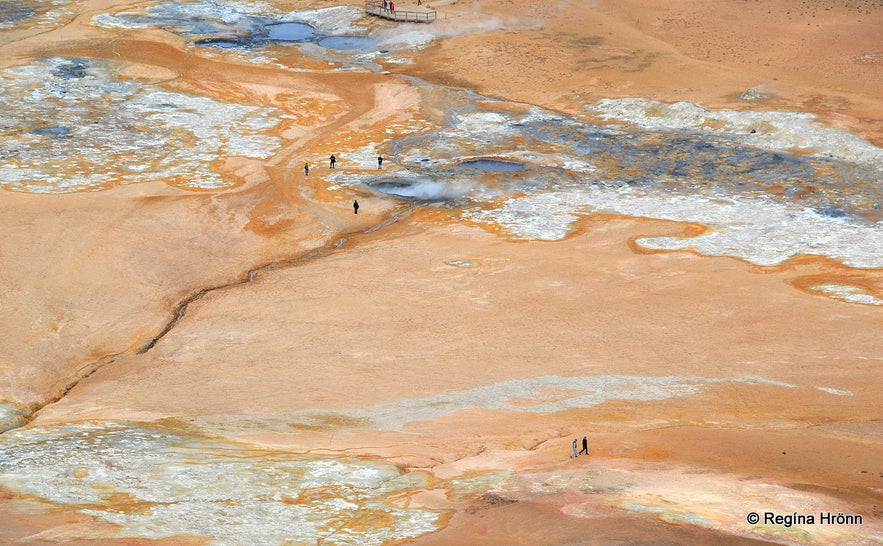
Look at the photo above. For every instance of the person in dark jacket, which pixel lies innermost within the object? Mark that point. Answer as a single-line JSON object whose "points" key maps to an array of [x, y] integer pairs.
{"points": [[585, 448]]}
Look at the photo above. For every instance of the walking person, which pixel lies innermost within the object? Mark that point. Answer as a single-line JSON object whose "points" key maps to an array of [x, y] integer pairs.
{"points": [[585, 448], [380, 162], [574, 453], [306, 169], [356, 211], [332, 160]]}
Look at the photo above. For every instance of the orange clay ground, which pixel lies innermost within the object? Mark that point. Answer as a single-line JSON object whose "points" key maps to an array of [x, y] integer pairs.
{"points": [[384, 317]]}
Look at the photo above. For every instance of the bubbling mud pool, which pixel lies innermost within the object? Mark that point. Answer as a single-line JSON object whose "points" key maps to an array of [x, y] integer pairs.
{"points": [[246, 25], [348, 43], [493, 165], [281, 33]]}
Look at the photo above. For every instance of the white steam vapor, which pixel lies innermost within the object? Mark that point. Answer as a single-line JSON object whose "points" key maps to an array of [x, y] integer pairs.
{"points": [[420, 35], [429, 190]]}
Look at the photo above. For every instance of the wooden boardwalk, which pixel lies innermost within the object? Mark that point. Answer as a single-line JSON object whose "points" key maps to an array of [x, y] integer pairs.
{"points": [[412, 14]]}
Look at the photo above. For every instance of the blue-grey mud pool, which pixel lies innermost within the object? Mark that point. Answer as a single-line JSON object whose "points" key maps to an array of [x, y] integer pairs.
{"points": [[602, 221]]}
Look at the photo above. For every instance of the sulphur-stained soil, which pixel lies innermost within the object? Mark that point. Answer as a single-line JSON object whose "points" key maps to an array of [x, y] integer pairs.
{"points": [[207, 346]]}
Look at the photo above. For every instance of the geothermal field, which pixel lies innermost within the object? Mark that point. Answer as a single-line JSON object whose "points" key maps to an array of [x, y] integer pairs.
{"points": [[653, 227]]}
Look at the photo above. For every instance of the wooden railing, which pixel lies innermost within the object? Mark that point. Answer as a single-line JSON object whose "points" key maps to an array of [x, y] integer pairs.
{"points": [[376, 8]]}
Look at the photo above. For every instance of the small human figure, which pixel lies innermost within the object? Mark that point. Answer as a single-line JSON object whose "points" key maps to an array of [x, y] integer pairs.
{"points": [[392, 6], [332, 160], [585, 446], [419, 2], [574, 453], [384, 4], [306, 169], [356, 211], [380, 162]]}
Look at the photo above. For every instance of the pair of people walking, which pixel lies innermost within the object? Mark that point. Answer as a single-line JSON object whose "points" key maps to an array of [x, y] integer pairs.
{"points": [[332, 163], [585, 448]]}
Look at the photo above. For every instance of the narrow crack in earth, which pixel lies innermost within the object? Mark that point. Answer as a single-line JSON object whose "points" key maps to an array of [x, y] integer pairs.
{"points": [[64, 386]]}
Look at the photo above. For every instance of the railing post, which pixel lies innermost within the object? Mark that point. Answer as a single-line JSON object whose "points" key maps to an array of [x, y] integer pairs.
{"points": [[373, 7]]}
